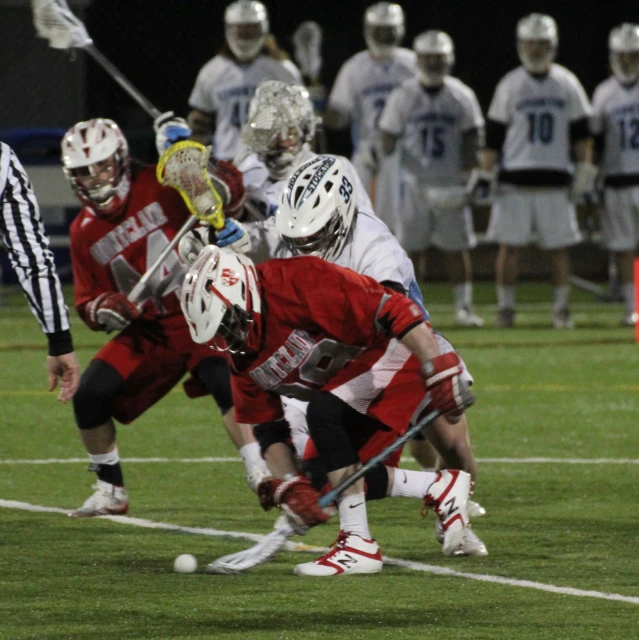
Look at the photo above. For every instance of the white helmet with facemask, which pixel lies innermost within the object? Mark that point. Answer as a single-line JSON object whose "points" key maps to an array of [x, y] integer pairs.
{"points": [[537, 42], [383, 28], [317, 209], [220, 299], [623, 45], [280, 126], [435, 57], [246, 27]]}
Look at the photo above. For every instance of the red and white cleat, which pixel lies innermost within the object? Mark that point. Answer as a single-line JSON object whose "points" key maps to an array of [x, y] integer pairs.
{"points": [[350, 554], [448, 497], [108, 500]]}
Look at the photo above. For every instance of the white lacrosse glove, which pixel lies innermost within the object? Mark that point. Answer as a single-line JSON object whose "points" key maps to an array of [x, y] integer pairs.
{"points": [[193, 242], [234, 236], [169, 129], [583, 182], [371, 157], [482, 185]]}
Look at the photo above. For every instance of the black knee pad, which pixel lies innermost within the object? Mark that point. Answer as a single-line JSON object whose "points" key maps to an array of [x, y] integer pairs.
{"points": [[315, 471], [214, 374], [327, 417], [270, 433], [376, 479], [99, 384]]}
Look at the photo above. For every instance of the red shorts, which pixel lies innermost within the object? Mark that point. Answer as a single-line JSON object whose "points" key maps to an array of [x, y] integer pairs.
{"points": [[150, 370]]}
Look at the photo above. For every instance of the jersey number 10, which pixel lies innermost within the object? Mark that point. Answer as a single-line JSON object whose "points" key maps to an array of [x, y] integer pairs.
{"points": [[541, 127]]}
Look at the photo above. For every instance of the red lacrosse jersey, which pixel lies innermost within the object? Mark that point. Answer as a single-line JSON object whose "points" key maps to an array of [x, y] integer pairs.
{"points": [[109, 256], [324, 327]]}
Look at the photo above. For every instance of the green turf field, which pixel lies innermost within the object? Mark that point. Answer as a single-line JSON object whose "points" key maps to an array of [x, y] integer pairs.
{"points": [[561, 535]]}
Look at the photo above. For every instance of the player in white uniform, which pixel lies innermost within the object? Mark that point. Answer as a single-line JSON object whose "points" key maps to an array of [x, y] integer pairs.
{"points": [[435, 122], [616, 132], [538, 115], [225, 85], [359, 94]]}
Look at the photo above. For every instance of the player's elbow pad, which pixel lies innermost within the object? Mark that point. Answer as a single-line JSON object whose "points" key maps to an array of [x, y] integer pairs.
{"points": [[269, 433]]}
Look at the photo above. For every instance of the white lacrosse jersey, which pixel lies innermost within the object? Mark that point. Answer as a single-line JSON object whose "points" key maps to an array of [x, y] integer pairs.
{"points": [[363, 85], [430, 124], [370, 249], [537, 113], [224, 88], [616, 116], [263, 195]]}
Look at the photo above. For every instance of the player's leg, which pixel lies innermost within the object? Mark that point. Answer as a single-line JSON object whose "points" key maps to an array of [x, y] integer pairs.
{"points": [[454, 234], [510, 226], [213, 373], [557, 231], [99, 385]]}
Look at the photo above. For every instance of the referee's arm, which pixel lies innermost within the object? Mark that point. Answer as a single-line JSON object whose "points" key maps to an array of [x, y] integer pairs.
{"points": [[23, 234]]}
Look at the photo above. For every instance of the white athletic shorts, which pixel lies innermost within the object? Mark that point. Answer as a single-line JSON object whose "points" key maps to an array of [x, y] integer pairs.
{"points": [[420, 227], [620, 219], [542, 215], [295, 410]]}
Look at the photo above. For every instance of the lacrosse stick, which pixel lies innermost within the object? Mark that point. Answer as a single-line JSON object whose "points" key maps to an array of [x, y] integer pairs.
{"points": [[55, 22], [275, 541], [183, 166]]}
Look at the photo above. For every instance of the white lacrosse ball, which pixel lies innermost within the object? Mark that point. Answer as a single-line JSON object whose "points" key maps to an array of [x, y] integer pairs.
{"points": [[186, 563]]}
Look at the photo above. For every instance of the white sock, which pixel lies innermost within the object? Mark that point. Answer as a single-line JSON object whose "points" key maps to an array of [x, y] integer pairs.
{"points": [[561, 297], [505, 297], [464, 295], [352, 515], [251, 456], [411, 484], [628, 293], [112, 457]]}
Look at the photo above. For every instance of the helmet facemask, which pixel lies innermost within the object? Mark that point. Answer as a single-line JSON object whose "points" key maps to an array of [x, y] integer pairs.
{"points": [[246, 27], [383, 28], [537, 42], [623, 44], [326, 243]]}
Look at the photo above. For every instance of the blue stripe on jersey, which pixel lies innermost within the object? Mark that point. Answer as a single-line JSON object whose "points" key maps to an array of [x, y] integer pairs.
{"points": [[415, 294]]}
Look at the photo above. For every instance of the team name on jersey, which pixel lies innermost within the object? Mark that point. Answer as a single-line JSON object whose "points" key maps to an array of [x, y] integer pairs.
{"points": [[446, 118], [559, 103], [624, 110], [245, 91], [286, 359], [387, 87], [126, 233]]}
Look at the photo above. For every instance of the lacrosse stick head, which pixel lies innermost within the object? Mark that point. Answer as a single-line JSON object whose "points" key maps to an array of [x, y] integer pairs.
{"points": [[55, 22], [308, 48], [280, 122], [184, 167], [264, 550]]}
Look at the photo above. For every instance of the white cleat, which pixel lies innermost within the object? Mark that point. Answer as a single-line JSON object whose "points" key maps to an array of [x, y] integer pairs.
{"points": [[475, 510], [108, 500], [448, 497], [561, 319], [466, 318], [471, 545], [350, 554], [629, 320]]}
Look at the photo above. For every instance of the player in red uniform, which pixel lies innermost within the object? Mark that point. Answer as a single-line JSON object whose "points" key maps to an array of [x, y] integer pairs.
{"points": [[127, 220], [305, 328]]}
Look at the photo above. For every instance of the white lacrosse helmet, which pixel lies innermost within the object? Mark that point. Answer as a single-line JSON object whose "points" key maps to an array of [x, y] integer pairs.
{"points": [[220, 299], [317, 208], [623, 44], [383, 28], [246, 27], [435, 57], [95, 159], [280, 123], [537, 42]]}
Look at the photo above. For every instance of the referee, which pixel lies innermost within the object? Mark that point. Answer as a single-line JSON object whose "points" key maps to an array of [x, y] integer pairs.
{"points": [[23, 234]]}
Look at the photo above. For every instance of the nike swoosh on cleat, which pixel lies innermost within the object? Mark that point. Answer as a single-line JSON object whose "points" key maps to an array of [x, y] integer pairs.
{"points": [[405, 477], [352, 506]]}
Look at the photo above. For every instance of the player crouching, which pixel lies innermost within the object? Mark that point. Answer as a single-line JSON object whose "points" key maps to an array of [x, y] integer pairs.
{"points": [[287, 325]]}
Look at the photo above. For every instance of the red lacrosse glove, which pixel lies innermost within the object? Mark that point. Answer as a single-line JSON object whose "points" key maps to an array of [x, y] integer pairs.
{"points": [[442, 377], [229, 183], [296, 497], [110, 311]]}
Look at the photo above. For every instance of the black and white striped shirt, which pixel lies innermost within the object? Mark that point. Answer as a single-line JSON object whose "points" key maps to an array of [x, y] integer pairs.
{"points": [[23, 234]]}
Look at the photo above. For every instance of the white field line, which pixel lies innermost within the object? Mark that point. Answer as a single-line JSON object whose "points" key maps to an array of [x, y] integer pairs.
{"points": [[537, 460], [292, 546]]}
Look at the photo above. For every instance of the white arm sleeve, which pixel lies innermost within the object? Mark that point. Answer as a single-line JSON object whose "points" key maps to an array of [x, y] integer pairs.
{"points": [[202, 95], [499, 107], [265, 240], [342, 98], [579, 104], [393, 117]]}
